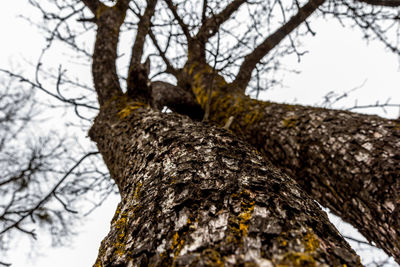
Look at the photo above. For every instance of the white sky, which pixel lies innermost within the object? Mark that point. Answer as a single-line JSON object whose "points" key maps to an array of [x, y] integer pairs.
{"points": [[339, 60]]}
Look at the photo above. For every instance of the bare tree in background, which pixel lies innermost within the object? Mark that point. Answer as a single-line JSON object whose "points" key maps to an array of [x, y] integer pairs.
{"points": [[224, 192], [41, 181]]}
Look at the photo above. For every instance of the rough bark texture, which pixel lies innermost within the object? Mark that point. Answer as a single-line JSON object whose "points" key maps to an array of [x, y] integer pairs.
{"points": [[105, 78], [348, 162], [194, 195]]}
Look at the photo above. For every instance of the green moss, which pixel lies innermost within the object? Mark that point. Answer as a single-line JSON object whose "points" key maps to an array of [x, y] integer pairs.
{"points": [[178, 239], [225, 101]]}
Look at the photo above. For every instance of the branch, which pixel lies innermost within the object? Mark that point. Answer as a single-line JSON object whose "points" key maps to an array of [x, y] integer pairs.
{"points": [[389, 3], [204, 11], [143, 29], [182, 24], [251, 60], [46, 198], [170, 69], [358, 241], [211, 25], [59, 97], [176, 99], [5, 264], [93, 5], [137, 81], [105, 77]]}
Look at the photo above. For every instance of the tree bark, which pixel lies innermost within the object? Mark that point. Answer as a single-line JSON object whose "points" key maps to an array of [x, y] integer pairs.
{"points": [[348, 162], [195, 195]]}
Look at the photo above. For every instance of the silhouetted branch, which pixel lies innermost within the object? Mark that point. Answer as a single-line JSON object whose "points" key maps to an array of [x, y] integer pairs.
{"points": [[52, 192], [389, 3], [252, 59]]}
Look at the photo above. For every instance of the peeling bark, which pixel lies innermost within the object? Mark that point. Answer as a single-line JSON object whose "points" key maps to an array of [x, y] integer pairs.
{"points": [[195, 195]]}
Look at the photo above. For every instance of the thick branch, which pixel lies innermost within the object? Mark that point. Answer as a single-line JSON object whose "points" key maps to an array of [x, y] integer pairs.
{"points": [[204, 11], [346, 161], [93, 5], [252, 59], [137, 82], [176, 99], [210, 26], [143, 29], [105, 78], [389, 3]]}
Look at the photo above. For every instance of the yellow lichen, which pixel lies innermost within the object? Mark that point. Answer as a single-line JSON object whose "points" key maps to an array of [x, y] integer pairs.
{"points": [[289, 122], [136, 194], [212, 257], [131, 106], [174, 240], [239, 225], [120, 248], [224, 103], [311, 241], [297, 259], [244, 216], [177, 244]]}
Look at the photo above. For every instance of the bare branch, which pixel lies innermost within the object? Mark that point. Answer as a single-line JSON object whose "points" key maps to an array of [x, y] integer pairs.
{"points": [[388, 3], [211, 25], [170, 69], [46, 198], [143, 29], [182, 24], [137, 83], [204, 12], [104, 71], [251, 60], [39, 86]]}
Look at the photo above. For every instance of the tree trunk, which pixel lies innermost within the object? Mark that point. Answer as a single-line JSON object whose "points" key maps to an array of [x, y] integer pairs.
{"points": [[348, 162], [195, 195]]}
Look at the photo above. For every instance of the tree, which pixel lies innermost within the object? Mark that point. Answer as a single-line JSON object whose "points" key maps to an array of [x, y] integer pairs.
{"points": [[40, 183], [209, 192]]}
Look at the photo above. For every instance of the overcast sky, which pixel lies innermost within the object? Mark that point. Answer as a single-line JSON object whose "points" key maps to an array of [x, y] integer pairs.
{"points": [[339, 60]]}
